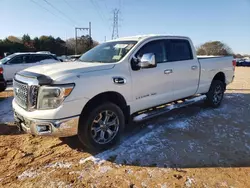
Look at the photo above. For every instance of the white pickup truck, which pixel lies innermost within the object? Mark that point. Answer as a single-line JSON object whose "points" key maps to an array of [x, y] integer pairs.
{"points": [[96, 96]]}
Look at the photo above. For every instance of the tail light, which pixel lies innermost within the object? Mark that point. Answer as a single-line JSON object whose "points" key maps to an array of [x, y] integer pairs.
{"points": [[1, 70], [234, 63]]}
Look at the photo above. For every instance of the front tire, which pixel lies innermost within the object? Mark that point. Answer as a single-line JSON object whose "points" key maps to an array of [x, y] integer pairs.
{"points": [[102, 127], [215, 94]]}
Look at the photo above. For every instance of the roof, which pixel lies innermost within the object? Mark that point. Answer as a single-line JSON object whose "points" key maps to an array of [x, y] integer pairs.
{"points": [[38, 53], [141, 37]]}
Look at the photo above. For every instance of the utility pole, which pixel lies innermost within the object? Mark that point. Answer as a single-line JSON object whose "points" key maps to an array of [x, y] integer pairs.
{"points": [[81, 28], [115, 33]]}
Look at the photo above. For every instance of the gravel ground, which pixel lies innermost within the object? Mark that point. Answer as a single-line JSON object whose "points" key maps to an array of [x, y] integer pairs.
{"points": [[194, 146]]}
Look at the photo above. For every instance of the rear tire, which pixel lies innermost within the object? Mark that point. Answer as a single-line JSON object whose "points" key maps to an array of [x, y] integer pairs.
{"points": [[215, 94], [101, 128]]}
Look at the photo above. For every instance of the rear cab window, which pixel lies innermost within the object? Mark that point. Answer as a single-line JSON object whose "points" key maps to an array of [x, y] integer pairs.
{"points": [[178, 50]]}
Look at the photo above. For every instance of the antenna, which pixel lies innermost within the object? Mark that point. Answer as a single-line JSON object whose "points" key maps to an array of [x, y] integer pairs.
{"points": [[115, 33]]}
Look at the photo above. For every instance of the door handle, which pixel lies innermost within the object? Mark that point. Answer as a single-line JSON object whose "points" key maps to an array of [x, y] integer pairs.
{"points": [[194, 67], [168, 71]]}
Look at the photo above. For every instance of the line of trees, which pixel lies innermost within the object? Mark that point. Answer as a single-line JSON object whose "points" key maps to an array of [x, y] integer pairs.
{"points": [[57, 46], [217, 48]]}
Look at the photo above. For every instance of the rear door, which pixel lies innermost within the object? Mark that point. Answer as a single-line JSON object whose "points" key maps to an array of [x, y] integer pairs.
{"points": [[34, 60], [186, 68]]}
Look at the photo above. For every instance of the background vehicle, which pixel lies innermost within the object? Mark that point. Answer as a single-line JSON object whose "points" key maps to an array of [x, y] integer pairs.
{"points": [[3, 83], [19, 61], [97, 95], [74, 57], [246, 63]]}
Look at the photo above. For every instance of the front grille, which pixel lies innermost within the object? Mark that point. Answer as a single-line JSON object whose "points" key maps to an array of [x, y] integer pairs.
{"points": [[21, 91], [25, 95]]}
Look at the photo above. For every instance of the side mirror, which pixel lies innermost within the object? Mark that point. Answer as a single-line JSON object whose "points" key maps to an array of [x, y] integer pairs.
{"points": [[147, 61]]}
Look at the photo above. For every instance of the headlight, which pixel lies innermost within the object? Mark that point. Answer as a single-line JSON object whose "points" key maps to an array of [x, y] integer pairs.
{"points": [[50, 97]]}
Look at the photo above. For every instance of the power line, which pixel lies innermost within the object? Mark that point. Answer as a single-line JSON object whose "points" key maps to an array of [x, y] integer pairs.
{"points": [[49, 11], [66, 2], [58, 10], [98, 9]]}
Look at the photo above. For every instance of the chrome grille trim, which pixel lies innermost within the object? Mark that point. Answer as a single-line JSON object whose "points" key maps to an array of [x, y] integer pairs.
{"points": [[21, 93], [25, 94]]}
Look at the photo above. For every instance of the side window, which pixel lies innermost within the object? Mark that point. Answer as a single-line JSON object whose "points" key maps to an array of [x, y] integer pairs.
{"points": [[46, 57], [17, 60], [42, 57], [179, 50], [157, 48], [34, 58], [52, 57]]}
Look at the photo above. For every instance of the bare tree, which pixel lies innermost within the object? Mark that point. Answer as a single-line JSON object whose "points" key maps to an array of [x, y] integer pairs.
{"points": [[214, 48], [84, 43]]}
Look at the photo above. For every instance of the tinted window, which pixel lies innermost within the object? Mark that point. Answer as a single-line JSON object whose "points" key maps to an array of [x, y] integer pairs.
{"points": [[17, 60], [37, 58], [48, 57], [178, 50], [156, 47], [34, 59]]}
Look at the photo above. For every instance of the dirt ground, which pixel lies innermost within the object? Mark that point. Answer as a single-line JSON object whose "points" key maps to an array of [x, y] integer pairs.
{"points": [[194, 146]]}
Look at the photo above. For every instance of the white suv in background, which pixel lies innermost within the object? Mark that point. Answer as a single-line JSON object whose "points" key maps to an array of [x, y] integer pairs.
{"points": [[19, 61]]}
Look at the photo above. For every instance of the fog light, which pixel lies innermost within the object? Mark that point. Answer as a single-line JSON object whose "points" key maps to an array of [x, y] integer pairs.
{"points": [[43, 128]]}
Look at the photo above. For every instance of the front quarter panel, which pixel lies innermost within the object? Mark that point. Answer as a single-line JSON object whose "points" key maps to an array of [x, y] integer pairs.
{"points": [[90, 84]]}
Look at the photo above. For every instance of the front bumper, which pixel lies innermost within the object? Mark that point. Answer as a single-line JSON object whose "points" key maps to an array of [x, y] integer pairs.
{"points": [[58, 128]]}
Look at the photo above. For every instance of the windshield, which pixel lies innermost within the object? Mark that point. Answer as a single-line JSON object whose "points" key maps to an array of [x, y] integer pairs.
{"points": [[109, 52], [4, 60]]}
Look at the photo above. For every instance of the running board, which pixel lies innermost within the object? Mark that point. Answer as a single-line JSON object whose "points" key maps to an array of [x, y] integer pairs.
{"points": [[162, 110]]}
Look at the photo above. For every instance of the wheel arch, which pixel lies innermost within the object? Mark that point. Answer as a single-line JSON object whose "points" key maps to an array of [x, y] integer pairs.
{"points": [[109, 96], [221, 77]]}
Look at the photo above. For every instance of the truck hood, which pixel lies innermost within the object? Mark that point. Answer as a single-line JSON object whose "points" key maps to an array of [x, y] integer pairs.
{"points": [[57, 70]]}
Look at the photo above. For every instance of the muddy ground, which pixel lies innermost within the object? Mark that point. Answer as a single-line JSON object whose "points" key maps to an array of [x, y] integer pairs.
{"points": [[191, 147]]}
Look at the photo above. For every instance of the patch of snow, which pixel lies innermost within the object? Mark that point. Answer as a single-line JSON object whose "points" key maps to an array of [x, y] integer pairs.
{"points": [[150, 126], [122, 149], [31, 173], [196, 99], [170, 107], [140, 117], [129, 171], [104, 169], [6, 113], [189, 182], [191, 145], [58, 165], [96, 160], [143, 184], [164, 185], [180, 125], [248, 146], [9, 88]]}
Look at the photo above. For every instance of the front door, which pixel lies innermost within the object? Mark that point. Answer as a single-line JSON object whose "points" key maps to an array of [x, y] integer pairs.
{"points": [[152, 86]]}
